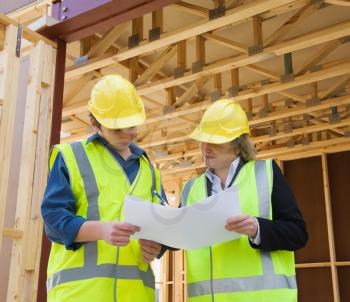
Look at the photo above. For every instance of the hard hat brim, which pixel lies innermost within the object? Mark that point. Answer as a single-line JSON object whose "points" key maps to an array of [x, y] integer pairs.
{"points": [[201, 136], [122, 122]]}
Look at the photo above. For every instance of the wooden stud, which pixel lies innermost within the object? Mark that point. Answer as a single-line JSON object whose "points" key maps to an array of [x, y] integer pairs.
{"points": [[217, 81], [257, 31], [2, 36], [157, 19], [8, 93], [33, 169], [235, 77], [137, 27], [330, 229], [314, 92], [171, 96], [200, 49], [181, 55]]}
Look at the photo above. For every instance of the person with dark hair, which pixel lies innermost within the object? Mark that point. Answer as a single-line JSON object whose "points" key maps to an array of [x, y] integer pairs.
{"points": [[258, 266], [93, 257]]}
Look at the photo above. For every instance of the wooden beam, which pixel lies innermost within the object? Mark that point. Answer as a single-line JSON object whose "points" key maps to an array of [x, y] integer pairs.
{"points": [[336, 86], [12, 233], [245, 11], [107, 40], [257, 31], [292, 22], [191, 92], [235, 78], [302, 109], [157, 19], [156, 66], [338, 2], [298, 151], [200, 49], [307, 40], [300, 131], [326, 73], [277, 115], [171, 96], [192, 9], [314, 91], [217, 81], [2, 36], [27, 33], [181, 55], [226, 42], [8, 93], [262, 71], [330, 229], [318, 56], [76, 87], [37, 5]]}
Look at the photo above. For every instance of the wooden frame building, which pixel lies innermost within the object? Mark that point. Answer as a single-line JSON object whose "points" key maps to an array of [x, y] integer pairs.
{"points": [[286, 61]]}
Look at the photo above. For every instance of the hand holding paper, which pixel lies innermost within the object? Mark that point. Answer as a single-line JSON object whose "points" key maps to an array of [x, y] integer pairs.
{"points": [[192, 227]]}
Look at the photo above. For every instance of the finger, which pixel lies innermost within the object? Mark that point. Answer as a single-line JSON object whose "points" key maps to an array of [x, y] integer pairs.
{"points": [[120, 232], [153, 251], [237, 218], [120, 238], [121, 241], [148, 257], [128, 227], [250, 231], [241, 223], [149, 243]]}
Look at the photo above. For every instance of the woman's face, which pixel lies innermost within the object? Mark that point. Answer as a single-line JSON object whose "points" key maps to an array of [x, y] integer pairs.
{"points": [[120, 139], [218, 156]]}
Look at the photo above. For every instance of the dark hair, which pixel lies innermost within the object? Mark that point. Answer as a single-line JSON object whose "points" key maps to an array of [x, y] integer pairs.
{"points": [[94, 122]]}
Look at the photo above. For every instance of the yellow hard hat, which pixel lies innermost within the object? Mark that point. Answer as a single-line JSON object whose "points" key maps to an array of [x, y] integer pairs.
{"points": [[115, 103], [221, 123]]}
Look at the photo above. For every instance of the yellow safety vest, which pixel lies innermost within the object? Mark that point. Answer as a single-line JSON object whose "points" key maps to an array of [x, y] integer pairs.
{"points": [[98, 271], [233, 270]]}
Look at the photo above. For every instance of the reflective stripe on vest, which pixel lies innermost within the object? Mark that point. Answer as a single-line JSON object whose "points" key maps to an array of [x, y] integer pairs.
{"points": [[91, 269], [269, 280]]}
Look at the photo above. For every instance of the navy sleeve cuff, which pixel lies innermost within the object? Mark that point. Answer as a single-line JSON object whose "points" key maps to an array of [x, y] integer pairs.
{"points": [[70, 231]]}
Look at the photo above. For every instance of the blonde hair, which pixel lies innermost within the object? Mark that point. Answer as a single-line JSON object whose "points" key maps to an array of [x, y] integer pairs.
{"points": [[244, 147]]}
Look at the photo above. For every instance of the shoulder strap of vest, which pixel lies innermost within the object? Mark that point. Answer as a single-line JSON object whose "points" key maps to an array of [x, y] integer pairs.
{"points": [[153, 187]]}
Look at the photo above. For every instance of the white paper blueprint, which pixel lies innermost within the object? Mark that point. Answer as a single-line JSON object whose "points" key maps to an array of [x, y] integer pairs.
{"points": [[192, 227]]}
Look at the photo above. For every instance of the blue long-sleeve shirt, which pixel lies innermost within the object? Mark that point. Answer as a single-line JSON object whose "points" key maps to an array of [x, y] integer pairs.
{"points": [[58, 206]]}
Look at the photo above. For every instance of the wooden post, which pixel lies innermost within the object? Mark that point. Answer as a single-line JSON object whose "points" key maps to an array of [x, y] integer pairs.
{"points": [[9, 65], [137, 28], [330, 230], [33, 172], [26, 86], [200, 49], [157, 19], [257, 31]]}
